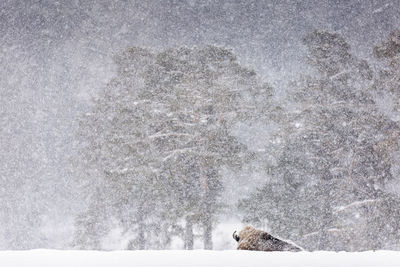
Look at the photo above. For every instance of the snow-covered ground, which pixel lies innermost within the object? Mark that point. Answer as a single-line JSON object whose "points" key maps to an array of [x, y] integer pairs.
{"points": [[196, 258]]}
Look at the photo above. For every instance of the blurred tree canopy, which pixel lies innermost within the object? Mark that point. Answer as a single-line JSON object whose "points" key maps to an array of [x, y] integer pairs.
{"points": [[159, 135], [330, 186]]}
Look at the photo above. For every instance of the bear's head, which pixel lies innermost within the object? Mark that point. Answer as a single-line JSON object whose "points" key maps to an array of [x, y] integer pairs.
{"points": [[244, 233]]}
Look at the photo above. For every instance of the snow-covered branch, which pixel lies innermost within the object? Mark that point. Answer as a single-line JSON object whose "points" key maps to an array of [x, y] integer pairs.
{"points": [[356, 204]]}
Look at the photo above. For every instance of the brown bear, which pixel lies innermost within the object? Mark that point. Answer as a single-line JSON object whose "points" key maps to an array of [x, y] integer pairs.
{"points": [[250, 238]]}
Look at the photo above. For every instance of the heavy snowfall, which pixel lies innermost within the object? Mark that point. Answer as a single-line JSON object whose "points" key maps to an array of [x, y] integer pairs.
{"points": [[165, 125]]}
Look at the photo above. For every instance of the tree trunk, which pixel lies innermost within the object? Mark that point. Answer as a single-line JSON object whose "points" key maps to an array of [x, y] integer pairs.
{"points": [[140, 241], [207, 225], [326, 224], [207, 234], [206, 220], [189, 237], [141, 238], [141, 228], [323, 238]]}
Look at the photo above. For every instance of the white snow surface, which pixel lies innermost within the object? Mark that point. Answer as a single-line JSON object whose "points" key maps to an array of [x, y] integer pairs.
{"points": [[196, 258]]}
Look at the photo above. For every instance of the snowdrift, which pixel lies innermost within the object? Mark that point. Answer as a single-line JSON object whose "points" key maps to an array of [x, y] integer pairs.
{"points": [[196, 258]]}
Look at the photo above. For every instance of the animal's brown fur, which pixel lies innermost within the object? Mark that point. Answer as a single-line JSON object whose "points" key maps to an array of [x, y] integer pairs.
{"points": [[250, 238]]}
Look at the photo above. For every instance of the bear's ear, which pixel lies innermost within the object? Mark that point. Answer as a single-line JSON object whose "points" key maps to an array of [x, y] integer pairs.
{"points": [[236, 236]]}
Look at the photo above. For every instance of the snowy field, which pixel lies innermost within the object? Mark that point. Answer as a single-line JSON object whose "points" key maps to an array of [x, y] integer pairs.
{"points": [[196, 258]]}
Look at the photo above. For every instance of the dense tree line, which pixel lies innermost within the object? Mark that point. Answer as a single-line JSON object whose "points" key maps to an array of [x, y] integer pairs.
{"points": [[155, 142]]}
